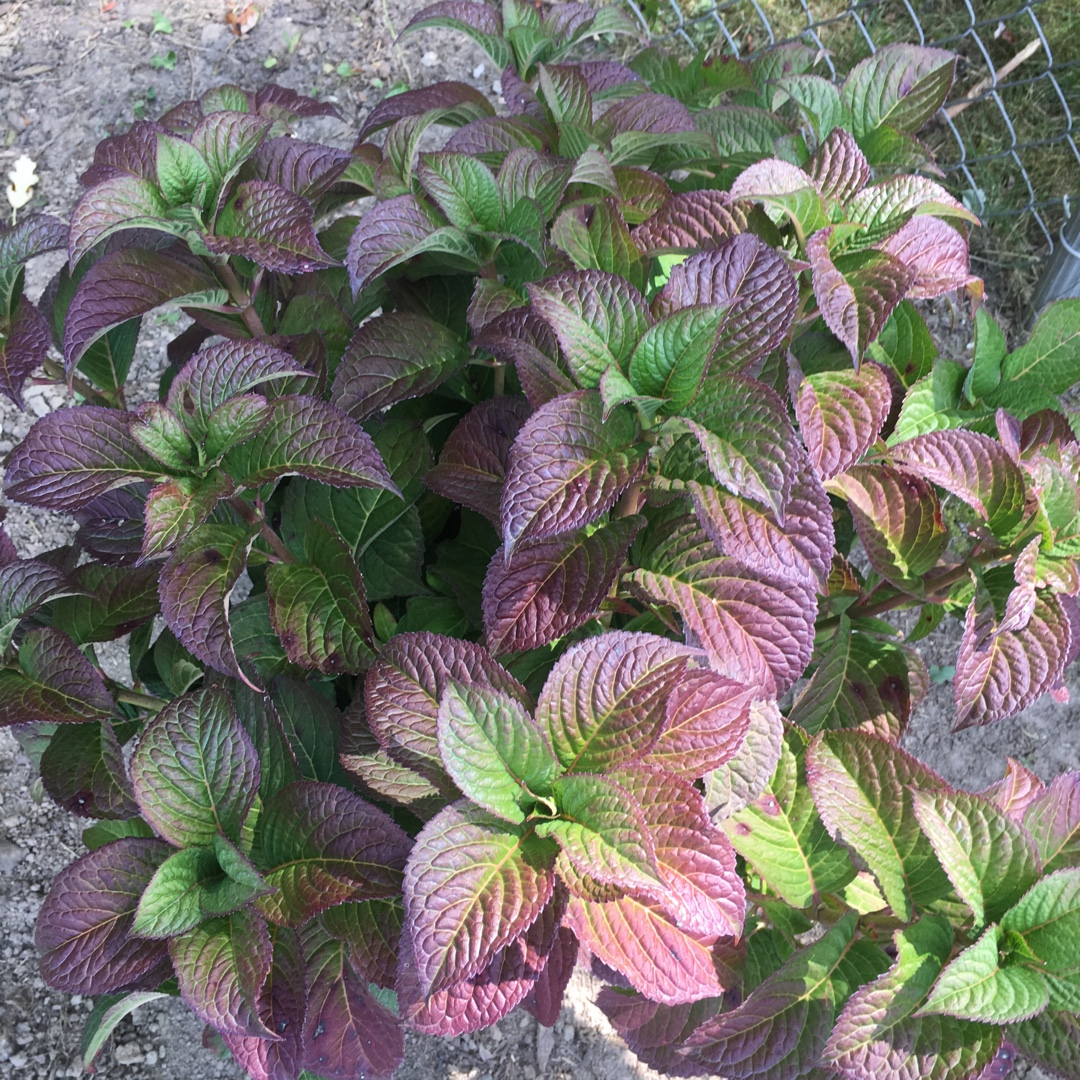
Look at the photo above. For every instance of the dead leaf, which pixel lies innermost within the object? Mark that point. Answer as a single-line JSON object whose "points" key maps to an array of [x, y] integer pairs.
{"points": [[242, 17]]}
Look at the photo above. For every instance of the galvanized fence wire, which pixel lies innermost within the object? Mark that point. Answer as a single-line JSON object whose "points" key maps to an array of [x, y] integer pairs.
{"points": [[998, 117]]}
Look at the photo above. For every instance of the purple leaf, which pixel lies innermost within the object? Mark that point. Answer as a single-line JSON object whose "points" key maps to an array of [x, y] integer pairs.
{"points": [[405, 688], [861, 787], [878, 1035], [271, 226], [973, 467], [473, 463], [222, 967], [347, 1033], [756, 630], [195, 586], [280, 1005], [195, 771], [83, 771], [898, 519], [567, 468], [25, 585], [391, 358], [111, 525], [938, 255], [741, 779], [323, 845], [32, 235], [522, 338], [472, 884], [1001, 672], [121, 202], [749, 444], [304, 168], [72, 456], [666, 964], [755, 282], [840, 414], [785, 190], [282, 103], [312, 438], [597, 318], [856, 301], [1015, 792], [491, 137], [56, 684], [838, 166], [604, 702], [83, 926], [372, 930], [1053, 820], [544, 1000], [692, 221], [551, 587], [126, 284], [604, 75], [656, 114], [449, 96], [24, 347]]}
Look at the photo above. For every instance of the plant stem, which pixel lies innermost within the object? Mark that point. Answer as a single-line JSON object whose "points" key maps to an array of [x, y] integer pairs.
{"points": [[500, 380], [631, 500], [241, 299], [253, 516], [143, 701]]}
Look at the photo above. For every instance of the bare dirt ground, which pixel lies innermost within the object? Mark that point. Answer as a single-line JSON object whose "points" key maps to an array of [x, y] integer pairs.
{"points": [[75, 71]]}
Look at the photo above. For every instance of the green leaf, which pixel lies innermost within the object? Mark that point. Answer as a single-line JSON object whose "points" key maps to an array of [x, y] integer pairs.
{"points": [[464, 188], [905, 345], [903, 85], [318, 607], [493, 750], [781, 836], [106, 1015], [989, 858], [990, 351], [602, 831], [603, 243], [1052, 1040], [934, 403], [975, 986], [182, 172], [672, 356], [1046, 364]]}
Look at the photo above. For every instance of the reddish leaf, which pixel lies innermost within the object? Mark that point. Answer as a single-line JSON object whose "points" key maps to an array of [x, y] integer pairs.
{"points": [[25, 347], [123, 201], [692, 221], [937, 253], [522, 338], [838, 166], [544, 1000], [442, 95], [1053, 819], [372, 930], [1015, 791], [551, 587], [735, 784]]}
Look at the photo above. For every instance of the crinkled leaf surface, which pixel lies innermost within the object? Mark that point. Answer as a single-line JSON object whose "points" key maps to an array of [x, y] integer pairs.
{"points": [[902, 85], [691, 221], [1053, 820], [1051, 1040], [84, 771], [738, 781]]}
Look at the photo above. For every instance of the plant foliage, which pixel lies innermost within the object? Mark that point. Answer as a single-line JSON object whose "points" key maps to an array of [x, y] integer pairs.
{"points": [[491, 525]]}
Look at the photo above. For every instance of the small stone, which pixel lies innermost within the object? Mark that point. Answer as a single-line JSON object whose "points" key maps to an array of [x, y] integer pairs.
{"points": [[430, 58], [10, 856], [478, 71], [496, 86], [568, 1032], [128, 1054], [545, 1043], [18, 1061], [485, 1053], [151, 1057], [495, 1035]]}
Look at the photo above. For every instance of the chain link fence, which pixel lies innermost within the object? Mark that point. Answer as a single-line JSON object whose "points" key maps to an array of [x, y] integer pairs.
{"points": [[1007, 137]]}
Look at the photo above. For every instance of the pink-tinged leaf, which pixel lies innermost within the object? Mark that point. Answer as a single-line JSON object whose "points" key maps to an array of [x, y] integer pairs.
{"points": [[902, 85], [786, 191], [544, 999], [1020, 605], [550, 587], [748, 441], [883, 207], [120, 202], [1053, 820], [56, 683], [83, 926], [372, 930], [280, 1005], [490, 299], [640, 941], [755, 630], [856, 297], [216, 374], [840, 414], [305, 168], [975, 468], [877, 1036], [128, 283], [271, 226], [25, 347], [898, 518], [989, 858], [442, 95], [473, 883], [391, 358], [488, 996], [195, 585], [743, 777], [780, 1030], [498, 135], [176, 508], [838, 166], [691, 221], [405, 688], [311, 438], [323, 845], [567, 467], [522, 338], [1001, 672], [348, 1035], [195, 771], [31, 235], [604, 702], [222, 967], [597, 318], [937, 253], [706, 719], [755, 282], [860, 785], [473, 462], [701, 889], [72, 456], [1015, 791]]}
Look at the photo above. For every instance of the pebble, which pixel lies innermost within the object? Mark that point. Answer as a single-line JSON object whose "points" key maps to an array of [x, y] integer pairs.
{"points": [[430, 58], [10, 856], [152, 1057], [129, 1054], [478, 71]]}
